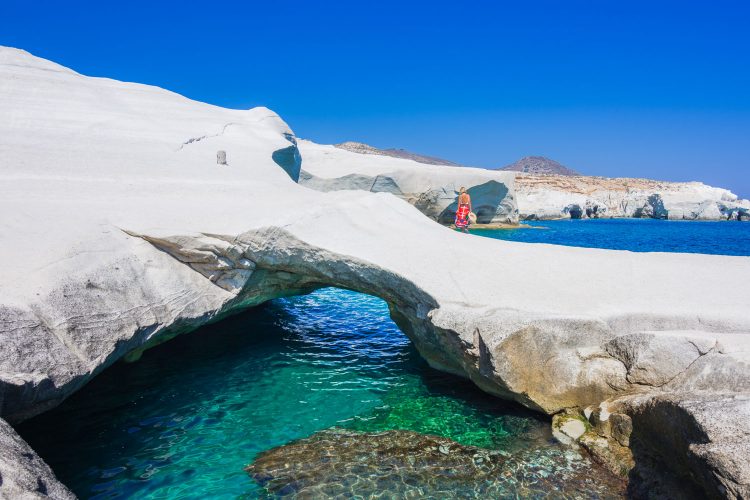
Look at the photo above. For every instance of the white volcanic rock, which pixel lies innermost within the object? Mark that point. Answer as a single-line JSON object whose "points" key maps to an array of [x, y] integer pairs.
{"points": [[119, 230], [557, 196], [433, 189]]}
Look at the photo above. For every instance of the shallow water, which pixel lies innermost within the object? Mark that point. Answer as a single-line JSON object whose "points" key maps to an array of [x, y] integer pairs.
{"points": [[186, 419], [637, 235]]}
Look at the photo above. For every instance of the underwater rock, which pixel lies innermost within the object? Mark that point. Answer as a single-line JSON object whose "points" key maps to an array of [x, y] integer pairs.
{"points": [[403, 463]]}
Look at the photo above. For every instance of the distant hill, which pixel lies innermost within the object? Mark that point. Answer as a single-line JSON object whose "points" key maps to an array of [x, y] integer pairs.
{"points": [[358, 147], [539, 165], [529, 164]]}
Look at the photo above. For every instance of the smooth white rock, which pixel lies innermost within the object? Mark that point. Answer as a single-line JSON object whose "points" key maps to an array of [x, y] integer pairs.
{"points": [[118, 231], [433, 189]]}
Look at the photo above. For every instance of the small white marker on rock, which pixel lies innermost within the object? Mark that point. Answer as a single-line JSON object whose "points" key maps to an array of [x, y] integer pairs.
{"points": [[221, 157]]}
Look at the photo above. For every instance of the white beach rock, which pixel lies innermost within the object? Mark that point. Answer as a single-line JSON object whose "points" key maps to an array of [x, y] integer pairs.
{"points": [[433, 189], [563, 196], [119, 231]]}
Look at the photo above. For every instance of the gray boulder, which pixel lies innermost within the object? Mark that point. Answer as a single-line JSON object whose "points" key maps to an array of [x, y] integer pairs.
{"points": [[23, 475]]}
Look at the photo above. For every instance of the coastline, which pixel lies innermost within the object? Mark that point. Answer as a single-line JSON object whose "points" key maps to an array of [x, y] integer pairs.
{"points": [[605, 335]]}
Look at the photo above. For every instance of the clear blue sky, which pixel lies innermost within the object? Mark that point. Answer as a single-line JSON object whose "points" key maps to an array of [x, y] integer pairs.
{"points": [[649, 89]]}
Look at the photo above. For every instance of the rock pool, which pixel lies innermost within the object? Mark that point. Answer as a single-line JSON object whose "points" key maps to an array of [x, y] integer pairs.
{"points": [[185, 420]]}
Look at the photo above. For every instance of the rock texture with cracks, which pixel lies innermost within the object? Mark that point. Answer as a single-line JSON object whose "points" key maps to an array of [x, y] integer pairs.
{"points": [[580, 197], [119, 239]]}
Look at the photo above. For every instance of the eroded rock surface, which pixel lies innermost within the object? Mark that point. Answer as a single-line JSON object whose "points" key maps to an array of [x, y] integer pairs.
{"points": [[432, 189], [405, 464], [704, 435], [23, 475], [579, 197], [125, 233]]}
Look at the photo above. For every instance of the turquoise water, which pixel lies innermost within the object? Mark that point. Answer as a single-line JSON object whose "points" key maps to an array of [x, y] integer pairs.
{"points": [[638, 235], [186, 419]]}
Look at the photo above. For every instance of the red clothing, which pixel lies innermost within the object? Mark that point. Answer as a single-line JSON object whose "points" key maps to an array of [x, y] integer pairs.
{"points": [[462, 216]]}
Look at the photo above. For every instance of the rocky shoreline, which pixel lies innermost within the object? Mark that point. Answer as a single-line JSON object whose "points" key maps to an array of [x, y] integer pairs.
{"points": [[542, 189], [542, 197], [154, 241]]}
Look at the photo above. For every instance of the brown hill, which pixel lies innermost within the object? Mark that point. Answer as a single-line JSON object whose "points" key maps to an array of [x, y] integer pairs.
{"points": [[361, 148], [539, 165]]}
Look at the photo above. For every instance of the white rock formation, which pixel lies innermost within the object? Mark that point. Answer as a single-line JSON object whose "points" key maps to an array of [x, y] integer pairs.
{"points": [[118, 231], [558, 196], [433, 189]]}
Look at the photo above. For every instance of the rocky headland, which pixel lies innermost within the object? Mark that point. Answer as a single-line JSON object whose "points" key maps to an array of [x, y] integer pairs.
{"points": [[580, 197], [120, 231], [543, 189]]}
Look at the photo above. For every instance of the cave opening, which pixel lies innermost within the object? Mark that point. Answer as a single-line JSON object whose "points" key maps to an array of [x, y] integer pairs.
{"points": [[575, 212]]}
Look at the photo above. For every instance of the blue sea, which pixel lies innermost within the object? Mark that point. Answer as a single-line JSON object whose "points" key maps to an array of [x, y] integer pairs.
{"points": [[637, 235], [185, 420]]}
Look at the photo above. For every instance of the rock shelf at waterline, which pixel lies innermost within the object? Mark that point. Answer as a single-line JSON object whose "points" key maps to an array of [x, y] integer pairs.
{"points": [[339, 462], [131, 234]]}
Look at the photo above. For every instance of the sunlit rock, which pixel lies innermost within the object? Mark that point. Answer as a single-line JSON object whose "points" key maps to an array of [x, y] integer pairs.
{"points": [[433, 189], [122, 233], [579, 197]]}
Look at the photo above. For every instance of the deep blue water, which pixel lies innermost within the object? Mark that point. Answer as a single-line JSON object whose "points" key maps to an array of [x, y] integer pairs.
{"points": [[637, 235]]}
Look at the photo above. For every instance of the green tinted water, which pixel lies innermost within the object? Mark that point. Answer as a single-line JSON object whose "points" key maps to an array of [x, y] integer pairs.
{"points": [[184, 421]]}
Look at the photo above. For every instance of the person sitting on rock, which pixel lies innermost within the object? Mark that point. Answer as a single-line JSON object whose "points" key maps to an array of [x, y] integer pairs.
{"points": [[464, 209]]}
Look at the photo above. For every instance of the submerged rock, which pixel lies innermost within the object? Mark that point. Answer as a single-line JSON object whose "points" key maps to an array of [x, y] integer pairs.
{"points": [[405, 464]]}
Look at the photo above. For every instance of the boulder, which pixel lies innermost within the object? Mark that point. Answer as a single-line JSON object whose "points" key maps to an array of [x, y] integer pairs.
{"points": [[23, 475], [703, 435]]}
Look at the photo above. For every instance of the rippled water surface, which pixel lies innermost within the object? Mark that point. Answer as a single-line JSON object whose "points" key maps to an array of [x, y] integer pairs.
{"points": [[637, 235], [186, 419]]}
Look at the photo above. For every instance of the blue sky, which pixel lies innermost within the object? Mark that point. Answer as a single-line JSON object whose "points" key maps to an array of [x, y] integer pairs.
{"points": [[648, 89]]}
